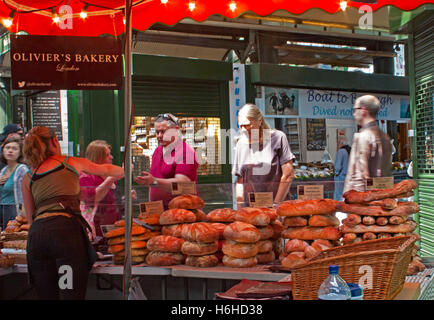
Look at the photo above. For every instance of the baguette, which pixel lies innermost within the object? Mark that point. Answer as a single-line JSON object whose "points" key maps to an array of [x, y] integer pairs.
{"points": [[349, 238], [323, 221], [383, 235], [352, 220], [403, 209], [293, 208], [397, 219], [368, 220], [387, 204], [402, 187], [408, 226], [312, 233], [369, 236], [381, 221]]}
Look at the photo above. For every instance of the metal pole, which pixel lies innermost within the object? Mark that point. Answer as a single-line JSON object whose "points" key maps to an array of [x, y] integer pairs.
{"points": [[127, 165]]}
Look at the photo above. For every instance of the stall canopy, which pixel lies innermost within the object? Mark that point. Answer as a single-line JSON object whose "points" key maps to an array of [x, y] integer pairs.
{"points": [[106, 16], [116, 17]]}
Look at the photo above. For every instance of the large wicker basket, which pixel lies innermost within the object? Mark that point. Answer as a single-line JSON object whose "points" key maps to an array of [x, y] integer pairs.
{"points": [[385, 261]]}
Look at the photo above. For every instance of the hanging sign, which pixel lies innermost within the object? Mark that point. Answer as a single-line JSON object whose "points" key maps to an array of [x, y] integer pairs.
{"points": [[56, 62]]}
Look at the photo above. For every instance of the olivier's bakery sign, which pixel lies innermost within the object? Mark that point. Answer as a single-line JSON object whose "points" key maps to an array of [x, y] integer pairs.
{"points": [[58, 62]]}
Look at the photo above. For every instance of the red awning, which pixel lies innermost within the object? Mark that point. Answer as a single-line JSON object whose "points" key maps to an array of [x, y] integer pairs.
{"points": [[106, 17]]}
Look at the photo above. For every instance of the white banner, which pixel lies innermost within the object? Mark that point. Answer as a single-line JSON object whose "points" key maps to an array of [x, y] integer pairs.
{"points": [[326, 104]]}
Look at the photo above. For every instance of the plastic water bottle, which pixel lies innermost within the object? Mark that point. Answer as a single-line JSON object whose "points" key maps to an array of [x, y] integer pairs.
{"points": [[334, 287]]}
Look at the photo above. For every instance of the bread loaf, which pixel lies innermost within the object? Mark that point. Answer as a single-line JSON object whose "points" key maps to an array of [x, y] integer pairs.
{"points": [[135, 230], [165, 244], [404, 186], [349, 238], [295, 221], [369, 236], [239, 250], [271, 213], [254, 216], [116, 248], [24, 227], [352, 220], [242, 232], [266, 257], [265, 246], [21, 219], [381, 221], [205, 261], [408, 226], [186, 201], [200, 232], [220, 227], [200, 215], [306, 207], [311, 252], [295, 245], [368, 220], [266, 232], [387, 204], [321, 244], [312, 233], [403, 209], [221, 215], [278, 227], [174, 230], [199, 249], [383, 235], [176, 216], [292, 260], [323, 221], [239, 263], [158, 258], [397, 219]]}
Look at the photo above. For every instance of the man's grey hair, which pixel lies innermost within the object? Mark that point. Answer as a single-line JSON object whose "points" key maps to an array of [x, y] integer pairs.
{"points": [[371, 103], [170, 122]]}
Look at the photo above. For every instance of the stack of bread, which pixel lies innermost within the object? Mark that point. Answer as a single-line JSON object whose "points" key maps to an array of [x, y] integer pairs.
{"points": [[201, 244], [189, 202], [262, 219], [219, 219], [240, 246], [15, 234], [310, 227], [117, 243], [377, 214], [165, 251], [416, 264], [6, 261]]}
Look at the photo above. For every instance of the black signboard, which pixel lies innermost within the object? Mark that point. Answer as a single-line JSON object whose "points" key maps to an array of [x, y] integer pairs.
{"points": [[59, 62], [316, 134], [46, 111]]}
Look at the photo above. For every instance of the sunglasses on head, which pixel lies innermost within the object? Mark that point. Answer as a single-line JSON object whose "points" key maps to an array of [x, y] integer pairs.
{"points": [[168, 116]]}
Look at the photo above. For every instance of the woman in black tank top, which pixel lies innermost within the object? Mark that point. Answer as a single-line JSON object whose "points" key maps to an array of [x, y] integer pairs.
{"points": [[59, 254]]}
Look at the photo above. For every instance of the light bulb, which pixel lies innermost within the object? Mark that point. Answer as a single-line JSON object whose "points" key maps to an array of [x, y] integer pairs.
{"points": [[343, 5], [233, 6], [56, 18], [7, 22], [83, 13], [192, 5]]}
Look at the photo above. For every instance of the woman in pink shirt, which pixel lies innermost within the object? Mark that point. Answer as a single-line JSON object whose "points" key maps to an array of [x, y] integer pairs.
{"points": [[98, 193]]}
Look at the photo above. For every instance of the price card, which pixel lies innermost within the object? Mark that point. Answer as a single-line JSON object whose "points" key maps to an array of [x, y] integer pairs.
{"points": [[261, 199], [151, 207], [309, 192], [179, 188], [379, 183]]}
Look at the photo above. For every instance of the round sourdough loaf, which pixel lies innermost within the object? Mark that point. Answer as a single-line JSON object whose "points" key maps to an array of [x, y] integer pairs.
{"points": [[242, 232], [265, 246], [220, 227], [221, 215], [174, 230], [199, 249], [295, 245], [176, 216], [200, 215], [292, 260], [202, 261], [239, 263], [255, 216], [306, 207], [270, 212], [266, 232], [186, 201], [165, 244], [239, 250], [278, 227], [158, 258], [200, 232], [265, 257]]}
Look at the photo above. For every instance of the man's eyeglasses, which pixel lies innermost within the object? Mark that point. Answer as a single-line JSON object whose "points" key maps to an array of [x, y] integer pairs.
{"points": [[168, 116]]}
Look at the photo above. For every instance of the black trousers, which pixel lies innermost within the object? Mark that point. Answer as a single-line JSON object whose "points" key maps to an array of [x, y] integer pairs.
{"points": [[57, 258], [8, 212]]}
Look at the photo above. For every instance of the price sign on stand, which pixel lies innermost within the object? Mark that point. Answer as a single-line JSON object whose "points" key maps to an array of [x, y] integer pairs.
{"points": [[152, 207], [261, 199], [310, 192], [179, 188], [379, 183]]}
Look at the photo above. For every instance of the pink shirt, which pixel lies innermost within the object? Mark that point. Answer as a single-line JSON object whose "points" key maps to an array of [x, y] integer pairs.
{"points": [[178, 161]]}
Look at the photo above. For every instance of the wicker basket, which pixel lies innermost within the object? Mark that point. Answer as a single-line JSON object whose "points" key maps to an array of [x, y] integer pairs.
{"points": [[389, 259]]}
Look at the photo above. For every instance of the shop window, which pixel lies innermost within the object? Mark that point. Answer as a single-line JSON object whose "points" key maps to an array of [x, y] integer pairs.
{"points": [[203, 134]]}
